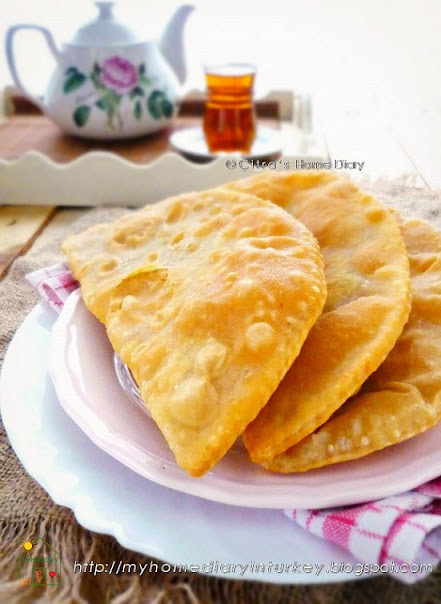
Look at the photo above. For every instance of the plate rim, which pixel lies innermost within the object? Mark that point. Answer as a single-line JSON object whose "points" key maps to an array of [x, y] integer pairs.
{"points": [[78, 500], [244, 496]]}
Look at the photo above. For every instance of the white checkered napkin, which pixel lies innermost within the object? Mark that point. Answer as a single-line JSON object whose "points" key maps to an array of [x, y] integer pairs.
{"points": [[54, 284], [396, 531]]}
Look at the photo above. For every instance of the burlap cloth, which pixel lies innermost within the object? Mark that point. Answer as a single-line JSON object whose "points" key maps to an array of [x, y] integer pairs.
{"points": [[27, 511]]}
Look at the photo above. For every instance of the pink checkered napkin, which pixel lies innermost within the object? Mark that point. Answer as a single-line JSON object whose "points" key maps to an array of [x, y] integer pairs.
{"points": [[404, 530], [400, 530], [54, 284]]}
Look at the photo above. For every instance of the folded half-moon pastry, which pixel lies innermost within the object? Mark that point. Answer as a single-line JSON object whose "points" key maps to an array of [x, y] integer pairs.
{"points": [[208, 298], [403, 397], [368, 303]]}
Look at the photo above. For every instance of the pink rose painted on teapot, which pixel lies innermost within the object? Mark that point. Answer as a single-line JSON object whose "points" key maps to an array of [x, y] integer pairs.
{"points": [[118, 74]]}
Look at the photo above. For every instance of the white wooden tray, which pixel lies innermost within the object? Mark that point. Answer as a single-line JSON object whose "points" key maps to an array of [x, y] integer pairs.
{"points": [[102, 178]]}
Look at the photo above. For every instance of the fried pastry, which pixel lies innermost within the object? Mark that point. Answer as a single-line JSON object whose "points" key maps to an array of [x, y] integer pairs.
{"points": [[403, 397], [368, 303], [207, 297]]}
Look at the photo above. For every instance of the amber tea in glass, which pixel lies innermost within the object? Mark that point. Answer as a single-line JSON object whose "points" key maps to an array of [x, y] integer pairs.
{"points": [[229, 118]]}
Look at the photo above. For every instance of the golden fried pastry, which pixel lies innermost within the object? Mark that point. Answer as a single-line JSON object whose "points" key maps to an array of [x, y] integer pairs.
{"points": [[403, 397], [368, 302], [207, 297]]}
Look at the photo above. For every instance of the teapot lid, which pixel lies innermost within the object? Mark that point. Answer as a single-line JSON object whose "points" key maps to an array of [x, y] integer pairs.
{"points": [[105, 30]]}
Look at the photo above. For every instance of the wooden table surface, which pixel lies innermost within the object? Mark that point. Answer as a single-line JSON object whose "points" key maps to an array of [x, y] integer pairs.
{"points": [[406, 147]]}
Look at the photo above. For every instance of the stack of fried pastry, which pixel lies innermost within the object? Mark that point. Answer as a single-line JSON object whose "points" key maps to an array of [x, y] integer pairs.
{"points": [[289, 308]]}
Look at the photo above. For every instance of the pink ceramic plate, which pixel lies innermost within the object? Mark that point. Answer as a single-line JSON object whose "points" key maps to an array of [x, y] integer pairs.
{"points": [[82, 368]]}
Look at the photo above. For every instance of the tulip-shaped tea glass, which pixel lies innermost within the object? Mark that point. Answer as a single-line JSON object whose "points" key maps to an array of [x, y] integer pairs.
{"points": [[229, 119]]}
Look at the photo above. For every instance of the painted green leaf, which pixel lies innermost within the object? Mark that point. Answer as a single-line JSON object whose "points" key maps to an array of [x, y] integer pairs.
{"points": [[109, 101], [144, 80], [95, 79], [74, 81], [137, 110], [141, 69], [167, 108], [103, 104], [137, 91], [70, 71], [81, 115], [154, 104]]}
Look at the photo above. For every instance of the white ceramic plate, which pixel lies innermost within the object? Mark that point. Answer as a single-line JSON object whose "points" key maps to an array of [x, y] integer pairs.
{"points": [[191, 142], [109, 498], [82, 369]]}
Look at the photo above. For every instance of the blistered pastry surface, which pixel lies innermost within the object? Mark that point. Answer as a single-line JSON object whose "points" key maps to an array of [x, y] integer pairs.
{"points": [[208, 298]]}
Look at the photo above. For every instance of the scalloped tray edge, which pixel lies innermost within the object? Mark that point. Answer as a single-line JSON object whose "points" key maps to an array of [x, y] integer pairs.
{"points": [[103, 178]]}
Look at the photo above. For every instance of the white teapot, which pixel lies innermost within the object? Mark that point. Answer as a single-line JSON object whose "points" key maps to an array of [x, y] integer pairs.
{"points": [[107, 83]]}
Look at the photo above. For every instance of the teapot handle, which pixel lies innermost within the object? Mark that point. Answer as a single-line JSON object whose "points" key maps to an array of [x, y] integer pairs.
{"points": [[11, 58]]}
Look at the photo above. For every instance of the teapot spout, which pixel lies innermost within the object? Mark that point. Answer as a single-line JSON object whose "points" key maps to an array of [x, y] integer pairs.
{"points": [[171, 43]]}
